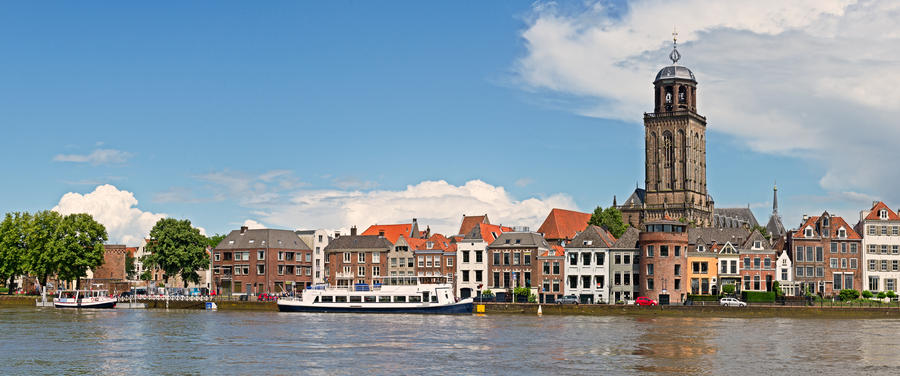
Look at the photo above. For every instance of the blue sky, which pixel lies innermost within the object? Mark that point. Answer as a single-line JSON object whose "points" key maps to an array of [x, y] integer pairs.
{"points": [[228, 112]]}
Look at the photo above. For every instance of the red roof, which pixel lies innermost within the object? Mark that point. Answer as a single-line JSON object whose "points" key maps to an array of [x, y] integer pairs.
{"points": [[874, 213], [557, 250], [490, 232], [835, 224], [391, 232], [564, 224], [470, 222], [438, 243]]}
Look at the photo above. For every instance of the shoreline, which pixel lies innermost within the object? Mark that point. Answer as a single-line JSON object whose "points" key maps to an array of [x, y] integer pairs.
{"points": [[753, 311]]}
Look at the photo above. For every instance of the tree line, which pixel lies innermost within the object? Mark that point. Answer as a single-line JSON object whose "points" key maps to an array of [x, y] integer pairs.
{"points": [[46, 244]]}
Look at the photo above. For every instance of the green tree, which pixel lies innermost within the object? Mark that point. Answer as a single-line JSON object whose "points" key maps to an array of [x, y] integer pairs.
{"points": [[882, 295], [762, 230], [890, 294], [867, 294], [79, 246], [177, 248], [129, 266], [12, 246], [213, 241], [848, 294], [41, 241], [776, 287], [728, 289], [610, 219]]}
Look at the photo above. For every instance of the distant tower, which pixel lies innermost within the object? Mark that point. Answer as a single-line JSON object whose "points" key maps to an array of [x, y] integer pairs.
{"points": [[775, 227], [675, 144]]}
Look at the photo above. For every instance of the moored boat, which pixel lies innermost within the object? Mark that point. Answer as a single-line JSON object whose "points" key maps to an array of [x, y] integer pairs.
{"points": [[84, 299], [396, 295]]}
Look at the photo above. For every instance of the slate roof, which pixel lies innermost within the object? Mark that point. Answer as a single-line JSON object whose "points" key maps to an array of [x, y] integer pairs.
{"points": [[733, 218], [636, 198], [597, 237], [628, 240], [358, 242], [520, 240], [262, 238], [755, 236], [707, 236], [775, 227], [564, 224]]}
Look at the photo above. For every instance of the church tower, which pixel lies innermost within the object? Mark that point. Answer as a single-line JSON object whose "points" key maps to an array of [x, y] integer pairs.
{"points": [[675, 153]]}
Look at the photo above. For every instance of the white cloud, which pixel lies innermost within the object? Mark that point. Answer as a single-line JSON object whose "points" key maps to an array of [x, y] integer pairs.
{"points": [[353, 183], [523, 182], [97, 157], [435, 203], [247, 189], [810, 79], [115, 209], [253, 225]]}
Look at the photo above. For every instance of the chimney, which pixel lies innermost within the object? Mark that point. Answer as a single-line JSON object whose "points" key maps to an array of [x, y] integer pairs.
{"points": [[337, 234], [244, 229], [353, 231]]}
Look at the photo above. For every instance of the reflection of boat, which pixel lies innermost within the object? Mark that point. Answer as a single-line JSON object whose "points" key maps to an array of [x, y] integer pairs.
{"points": [[84, 299], [396, 295]]}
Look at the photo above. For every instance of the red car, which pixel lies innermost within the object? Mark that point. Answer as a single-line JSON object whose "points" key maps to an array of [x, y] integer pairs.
{"points": [[645, 301]]}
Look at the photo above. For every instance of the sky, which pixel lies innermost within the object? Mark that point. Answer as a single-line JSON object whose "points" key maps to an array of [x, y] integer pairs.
{"points": [[334, 114]]}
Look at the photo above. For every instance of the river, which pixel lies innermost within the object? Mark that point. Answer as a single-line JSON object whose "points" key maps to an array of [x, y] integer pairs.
{"points": [[121, 341]]}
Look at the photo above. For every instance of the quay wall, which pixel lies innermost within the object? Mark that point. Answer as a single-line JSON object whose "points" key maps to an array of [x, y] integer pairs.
{"points": [[693, 311]]}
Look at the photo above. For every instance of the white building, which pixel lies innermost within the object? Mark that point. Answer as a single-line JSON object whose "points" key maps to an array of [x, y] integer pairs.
{"points": [[784, 274], [587, 271], [471, 259], [880, 229], [318, 240]]}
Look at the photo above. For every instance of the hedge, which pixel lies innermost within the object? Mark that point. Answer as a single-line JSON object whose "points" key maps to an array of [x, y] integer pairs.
{"points": [[703, 298], [758, 296]]}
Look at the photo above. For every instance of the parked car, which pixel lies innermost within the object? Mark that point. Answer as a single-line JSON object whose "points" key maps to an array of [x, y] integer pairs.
{"points": [[567, 299], [731, 302], [645, 301]]}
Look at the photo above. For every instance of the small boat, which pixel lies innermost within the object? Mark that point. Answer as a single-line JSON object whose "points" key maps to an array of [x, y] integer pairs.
{"points": [[396, 295], [84, 299]]}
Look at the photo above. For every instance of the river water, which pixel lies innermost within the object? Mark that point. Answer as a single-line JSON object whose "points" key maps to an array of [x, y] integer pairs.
{"points": [[121, 341]]}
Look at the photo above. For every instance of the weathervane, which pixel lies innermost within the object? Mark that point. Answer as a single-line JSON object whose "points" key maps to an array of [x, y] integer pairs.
{"points": [[674, 55]]}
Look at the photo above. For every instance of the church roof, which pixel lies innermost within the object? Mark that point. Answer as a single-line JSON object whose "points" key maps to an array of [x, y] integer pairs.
{"points": [[733, 218], [775, 227], [636, 198], [675, 72]]}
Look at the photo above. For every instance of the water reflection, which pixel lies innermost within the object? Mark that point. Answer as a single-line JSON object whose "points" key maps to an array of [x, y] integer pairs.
{"points": [[49, 341]]}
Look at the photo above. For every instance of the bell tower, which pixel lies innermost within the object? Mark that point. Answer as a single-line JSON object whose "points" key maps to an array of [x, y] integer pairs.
{"points": [[675, 149]]}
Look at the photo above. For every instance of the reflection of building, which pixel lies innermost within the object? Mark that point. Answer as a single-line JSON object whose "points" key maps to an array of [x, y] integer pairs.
{"points": [[663, 260], [880, 228], [624, 267], [264, 260], [586, 258]]}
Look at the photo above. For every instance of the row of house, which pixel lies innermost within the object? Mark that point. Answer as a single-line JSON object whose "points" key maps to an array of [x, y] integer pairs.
{"points": [[664, 259]]}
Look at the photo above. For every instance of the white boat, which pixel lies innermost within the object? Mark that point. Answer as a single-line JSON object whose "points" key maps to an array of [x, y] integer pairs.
{"points": [[84, 299], [396, 295]]}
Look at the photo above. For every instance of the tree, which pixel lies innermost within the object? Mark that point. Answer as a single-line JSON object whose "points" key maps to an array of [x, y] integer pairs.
{"points": [[177, 248], [882, 295], [728, 289], [213, 241], [848, 294], [610, 219], [12, 247], [890, 294], [776, 287], [129, 266], [867, 294], [762, 230], [41, 241], [79, 246]]}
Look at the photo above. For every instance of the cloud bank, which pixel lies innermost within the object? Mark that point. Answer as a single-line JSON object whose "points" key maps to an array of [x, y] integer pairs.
{"points": [[115, 209], [97, 157]]}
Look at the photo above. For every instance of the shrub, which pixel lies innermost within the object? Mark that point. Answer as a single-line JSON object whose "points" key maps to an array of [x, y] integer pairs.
{"points": [[487, 293], [847, 294], [890, 294], [882, 295], [522, 291], [728, 289], [703, 298], [776, 287], [867, 294], [758, 296]]}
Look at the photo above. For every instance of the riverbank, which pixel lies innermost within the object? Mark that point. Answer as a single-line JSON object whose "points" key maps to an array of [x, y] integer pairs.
{"points": [[694, 311]]}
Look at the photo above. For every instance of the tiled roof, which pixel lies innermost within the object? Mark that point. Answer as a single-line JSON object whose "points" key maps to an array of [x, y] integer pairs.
{"points": [[485, 232], [557, 251], [520, 240], [391, 232], [262, 238], [874, 212], [471, 221], [592, 237], [358, 242], [736, 236], [564, 224], [835, 224]]}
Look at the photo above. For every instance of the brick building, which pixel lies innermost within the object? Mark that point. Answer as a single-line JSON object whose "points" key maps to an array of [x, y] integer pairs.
{"points": [[512, 261], [357, 259], [827, 255], [664, 260], [261, 261], [435, 257], [759, 263], [113, 267]]}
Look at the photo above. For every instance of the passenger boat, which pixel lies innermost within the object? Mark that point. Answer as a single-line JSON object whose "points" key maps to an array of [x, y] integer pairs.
{"points": [[396, 295], [84, 299]]}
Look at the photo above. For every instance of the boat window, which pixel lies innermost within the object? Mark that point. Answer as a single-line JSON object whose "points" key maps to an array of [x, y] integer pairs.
{"points": [[340, 299], [384, 299], [415, 299], [327, 299], [399, 299], [434, 298], [369, 299], [355, 299]]}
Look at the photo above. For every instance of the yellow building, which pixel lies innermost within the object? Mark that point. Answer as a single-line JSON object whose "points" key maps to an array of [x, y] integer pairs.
{"points": [[702, 273]]}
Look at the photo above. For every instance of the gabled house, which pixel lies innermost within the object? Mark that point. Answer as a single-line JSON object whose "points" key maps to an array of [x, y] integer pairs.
{"points": [[587, 272], [880, 229], [472, 259], [562, 225], [826, 253], [758, 263], [624, 267]]}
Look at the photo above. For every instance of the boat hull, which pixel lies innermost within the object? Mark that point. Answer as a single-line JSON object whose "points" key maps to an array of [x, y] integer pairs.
{"points": [[110, 304], [457, 308]]}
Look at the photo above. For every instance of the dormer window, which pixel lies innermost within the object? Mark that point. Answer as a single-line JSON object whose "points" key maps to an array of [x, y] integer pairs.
{"points": [[518, 241], [882, 214], [808, 232], [842, 233], [429, 245], [757, 244], [588, 242], [251, 241], [701, 248], [825, 221]]}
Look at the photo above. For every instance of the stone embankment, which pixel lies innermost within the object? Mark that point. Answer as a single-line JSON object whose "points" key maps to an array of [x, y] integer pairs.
{"points": [[693, 311]]}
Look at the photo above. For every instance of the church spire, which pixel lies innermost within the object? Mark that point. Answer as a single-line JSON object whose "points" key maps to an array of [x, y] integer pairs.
{"points": [[674, 55], [775, 199]]}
